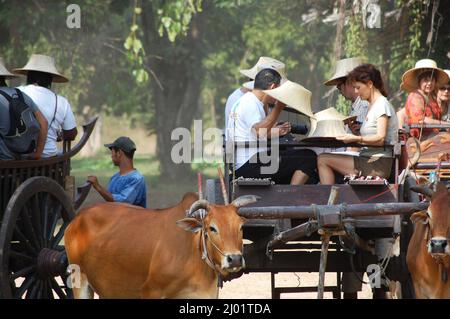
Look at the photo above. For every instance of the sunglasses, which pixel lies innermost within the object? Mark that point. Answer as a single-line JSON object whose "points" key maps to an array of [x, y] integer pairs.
{"points": [[445, 88]]}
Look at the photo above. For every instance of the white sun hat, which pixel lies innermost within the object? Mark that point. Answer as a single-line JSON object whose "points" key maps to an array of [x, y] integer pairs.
{"points": [[410, 79], [329, 123], [4, 71], [42, 63]]}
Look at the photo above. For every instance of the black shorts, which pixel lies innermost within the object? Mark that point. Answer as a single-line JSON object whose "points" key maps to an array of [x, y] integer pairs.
{"points": [[289, 161]]}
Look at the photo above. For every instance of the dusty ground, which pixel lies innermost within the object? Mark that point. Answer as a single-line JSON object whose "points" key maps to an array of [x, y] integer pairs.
{"points": [[257, 286]]}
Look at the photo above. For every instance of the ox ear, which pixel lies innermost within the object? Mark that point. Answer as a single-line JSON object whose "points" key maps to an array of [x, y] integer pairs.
{"points": [[424, 190], [245, 200], [419, 217], [190, 224]]}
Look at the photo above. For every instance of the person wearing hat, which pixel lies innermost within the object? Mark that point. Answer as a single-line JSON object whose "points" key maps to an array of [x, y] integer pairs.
{"points": [[421, 105], [5, 153], [250, 122], [263, 62], [380, 127], [443, 98], [345, 88], [127, 185], [41, 72]]}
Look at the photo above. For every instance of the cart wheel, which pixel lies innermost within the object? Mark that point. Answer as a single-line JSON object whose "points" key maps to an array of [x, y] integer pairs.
{"points": [[405, 236], [32, 261]]}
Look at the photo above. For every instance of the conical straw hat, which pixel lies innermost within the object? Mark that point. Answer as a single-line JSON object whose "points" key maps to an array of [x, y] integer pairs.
{"points": [[410, 77], [330, 114], [42, 63], [328, 128], [294, 96], [264, 63], [329, 123], [343, 68], [4, 71]]}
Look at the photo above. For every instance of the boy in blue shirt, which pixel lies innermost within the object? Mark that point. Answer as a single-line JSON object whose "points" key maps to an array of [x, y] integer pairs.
{"points": [[127, 185]]}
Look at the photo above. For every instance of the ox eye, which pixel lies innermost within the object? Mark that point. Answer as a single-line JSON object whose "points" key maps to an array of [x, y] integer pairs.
{"points": [[212, 229]]}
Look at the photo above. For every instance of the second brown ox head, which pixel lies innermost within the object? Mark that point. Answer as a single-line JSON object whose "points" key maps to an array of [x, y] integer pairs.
{"points": [[220, 229], [437, 217]]}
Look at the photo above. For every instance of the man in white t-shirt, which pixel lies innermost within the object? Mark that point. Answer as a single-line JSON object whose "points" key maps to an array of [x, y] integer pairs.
{"points": [[41, 72], [251, 122], [263, 62]]}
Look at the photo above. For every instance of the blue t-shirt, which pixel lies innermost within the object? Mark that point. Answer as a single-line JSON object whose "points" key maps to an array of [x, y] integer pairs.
{"points": [[129, 188]]}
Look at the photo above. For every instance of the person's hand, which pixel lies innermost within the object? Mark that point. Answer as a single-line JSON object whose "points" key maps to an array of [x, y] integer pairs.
{"points": [[93, 180], [33, 156], [348, 138], [284, 128]]}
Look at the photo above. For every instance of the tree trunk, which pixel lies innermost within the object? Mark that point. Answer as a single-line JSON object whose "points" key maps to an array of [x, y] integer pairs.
{"points": [[179, 69], [338, 43]]}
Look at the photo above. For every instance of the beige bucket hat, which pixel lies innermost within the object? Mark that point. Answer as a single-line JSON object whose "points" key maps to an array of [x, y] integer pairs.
{"points": [[410, 77], [4, 71], [329, 123], [263, 63], [42, 63], [448, 73], [295, 96], [343, 68]]}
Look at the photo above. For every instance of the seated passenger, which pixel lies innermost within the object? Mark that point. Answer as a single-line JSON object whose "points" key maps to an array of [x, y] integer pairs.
{"points": [[250, 121], [379, 128], [421, 105], [127, 185], [5, 152], [41, 72]]}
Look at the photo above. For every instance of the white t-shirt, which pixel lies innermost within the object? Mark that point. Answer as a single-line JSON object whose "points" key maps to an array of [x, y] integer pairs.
{"points": [[245, 113], [64, 118], [236, 95], [369, 127]]}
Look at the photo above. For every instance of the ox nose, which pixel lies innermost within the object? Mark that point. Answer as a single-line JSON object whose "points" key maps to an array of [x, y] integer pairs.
{"points": [[437, 246], [234, 260]]}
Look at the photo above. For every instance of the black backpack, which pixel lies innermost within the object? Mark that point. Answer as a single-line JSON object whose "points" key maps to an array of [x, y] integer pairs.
{"points": [[24, 127]]}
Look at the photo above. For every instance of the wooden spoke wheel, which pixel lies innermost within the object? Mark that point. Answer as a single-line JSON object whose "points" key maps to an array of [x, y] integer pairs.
{"points": [[32, 260]]}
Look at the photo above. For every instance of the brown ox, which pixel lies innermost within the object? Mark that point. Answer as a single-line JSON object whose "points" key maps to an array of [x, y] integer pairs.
{"points": [[125, 251], [428, 256]]}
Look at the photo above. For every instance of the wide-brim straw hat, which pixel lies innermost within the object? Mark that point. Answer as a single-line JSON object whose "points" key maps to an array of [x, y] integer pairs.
{"points": [[4, 71], [42, 63], [294, 95], [448, 73], [410, 78], [343, 68], [263, 63]]}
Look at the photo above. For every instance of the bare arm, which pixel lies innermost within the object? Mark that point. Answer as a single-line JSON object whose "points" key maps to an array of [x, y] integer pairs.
{"points": [[262, 129], [70, 135], [107, 196], [375, 140], [41, 138]]}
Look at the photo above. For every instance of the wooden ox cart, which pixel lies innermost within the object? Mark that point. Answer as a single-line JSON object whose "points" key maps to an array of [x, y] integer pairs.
{"points": [[37, 202]]}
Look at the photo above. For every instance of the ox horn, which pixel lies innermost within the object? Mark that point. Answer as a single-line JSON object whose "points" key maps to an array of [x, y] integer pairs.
{"points": [[245, 200], [424, 190], [200, 204]]}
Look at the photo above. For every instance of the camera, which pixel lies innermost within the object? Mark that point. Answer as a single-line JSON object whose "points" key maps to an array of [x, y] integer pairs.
{"points": [[299, 129]]}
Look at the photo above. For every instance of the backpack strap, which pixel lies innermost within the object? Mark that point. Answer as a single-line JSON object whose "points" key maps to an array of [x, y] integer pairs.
{"points": [[6, 96], [20, 95], [56, 108]]}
